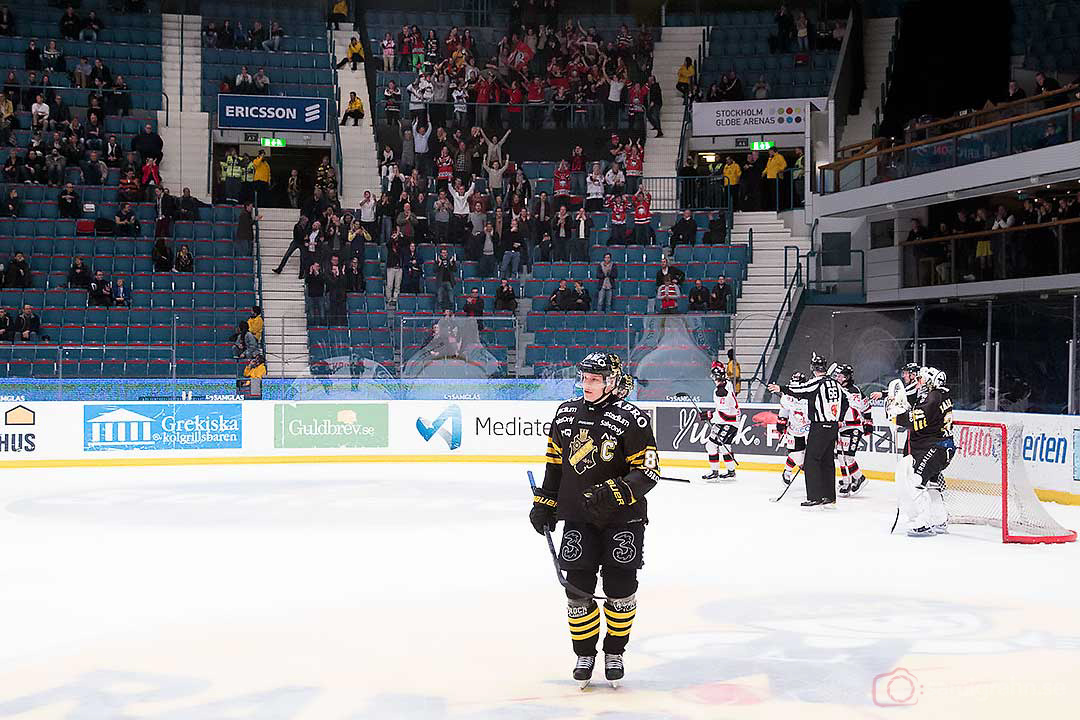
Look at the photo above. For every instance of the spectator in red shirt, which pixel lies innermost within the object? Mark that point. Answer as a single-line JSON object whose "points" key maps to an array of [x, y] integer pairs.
{"points": [[537, 103]]}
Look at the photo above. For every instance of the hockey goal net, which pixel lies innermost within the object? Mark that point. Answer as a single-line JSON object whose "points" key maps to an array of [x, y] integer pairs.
{"points": [[987, 484]]}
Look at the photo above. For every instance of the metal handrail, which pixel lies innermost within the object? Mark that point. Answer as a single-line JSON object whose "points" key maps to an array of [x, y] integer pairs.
{"points": [[256, 251], [774, 335]]}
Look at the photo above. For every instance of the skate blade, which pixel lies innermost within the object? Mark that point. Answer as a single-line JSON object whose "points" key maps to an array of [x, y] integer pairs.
{"points": [[583, 684], [614, 684]]}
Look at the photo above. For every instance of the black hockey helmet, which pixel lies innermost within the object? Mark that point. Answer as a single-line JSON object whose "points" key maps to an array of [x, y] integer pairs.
{"points": [[817, 363], [845, 374], [798, 377], [606, 364], [718, 371], [912, 368]]}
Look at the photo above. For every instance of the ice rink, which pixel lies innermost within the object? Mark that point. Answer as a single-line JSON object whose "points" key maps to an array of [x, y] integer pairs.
{"points": [[360, 591]]}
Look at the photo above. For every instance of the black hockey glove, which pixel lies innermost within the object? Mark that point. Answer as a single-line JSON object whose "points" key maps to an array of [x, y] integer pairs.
{"points": [[603, 499], [868, 430], [542, 515], [781, 426], [705, 415]]}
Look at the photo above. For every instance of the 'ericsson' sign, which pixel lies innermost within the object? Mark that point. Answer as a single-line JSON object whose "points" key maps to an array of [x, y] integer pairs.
{"points": [[272, 112]]}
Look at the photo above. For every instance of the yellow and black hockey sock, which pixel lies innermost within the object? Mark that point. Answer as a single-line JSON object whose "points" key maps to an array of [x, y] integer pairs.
{"points": [[584, 620], [619, 614]]}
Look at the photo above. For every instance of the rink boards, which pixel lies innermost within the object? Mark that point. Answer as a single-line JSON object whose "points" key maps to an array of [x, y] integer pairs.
{"points": [[59, 434]]}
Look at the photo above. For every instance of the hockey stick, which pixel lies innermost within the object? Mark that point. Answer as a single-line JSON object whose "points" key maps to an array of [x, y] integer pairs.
{"points": [[798, 469], [555, 560]]}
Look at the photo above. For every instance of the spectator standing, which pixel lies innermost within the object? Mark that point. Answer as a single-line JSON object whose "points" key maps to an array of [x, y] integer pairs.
{"points": [[583, 228], [773, 173], [148, 144], [608, 274], [446, 275], [394, 250], [70, 24], [7, 332], [100, 291], [245, 228], [686, 79], [511, 248], [315, 281], [161, 256], [668, 273], [655, 105], [643, 231], [262, 177]]}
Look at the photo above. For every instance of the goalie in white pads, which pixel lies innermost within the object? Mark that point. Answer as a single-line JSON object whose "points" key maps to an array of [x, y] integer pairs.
{"points": [[920, 477], [723, 425], [902, 396], [855, 425], [792, 424]]}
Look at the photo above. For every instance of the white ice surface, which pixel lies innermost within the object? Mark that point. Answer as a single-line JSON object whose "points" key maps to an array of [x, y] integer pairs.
{"points": [[352, 592]]}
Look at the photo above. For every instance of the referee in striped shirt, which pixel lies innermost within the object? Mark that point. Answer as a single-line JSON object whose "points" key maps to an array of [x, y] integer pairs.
{"points": [[826, 402]]}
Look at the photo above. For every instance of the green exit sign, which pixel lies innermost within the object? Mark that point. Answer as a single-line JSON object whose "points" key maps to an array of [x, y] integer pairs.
{"points": [[762, 145], [272, 142]]}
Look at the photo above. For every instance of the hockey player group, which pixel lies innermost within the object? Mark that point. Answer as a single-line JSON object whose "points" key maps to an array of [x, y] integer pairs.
{"points": [[602, 461]]}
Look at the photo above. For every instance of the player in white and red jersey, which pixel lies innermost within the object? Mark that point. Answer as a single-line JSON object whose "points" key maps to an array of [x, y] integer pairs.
{"points": [[724, 423], [793, 424], [854, 425]]}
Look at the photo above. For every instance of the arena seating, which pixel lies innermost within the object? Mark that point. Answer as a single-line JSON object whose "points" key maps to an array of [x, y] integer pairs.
{"points": [[129, 45], [1047, 35], [206, 304], [740, 41], [301, 67]]}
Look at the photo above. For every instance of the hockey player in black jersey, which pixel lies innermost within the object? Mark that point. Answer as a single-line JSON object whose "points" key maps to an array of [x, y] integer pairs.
{"points": [[931, 447], [601, 462]]}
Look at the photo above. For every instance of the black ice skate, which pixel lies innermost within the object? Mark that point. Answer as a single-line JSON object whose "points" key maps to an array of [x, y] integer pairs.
{"points": [[924, 531], [941, 529], [858, 484], [713, 475], [811, 503], [844, 489], [583, 669], [613, 669], [729, 475]]}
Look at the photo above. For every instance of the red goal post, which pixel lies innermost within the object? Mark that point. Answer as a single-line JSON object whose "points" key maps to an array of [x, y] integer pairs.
{"points": [[987, 484]]}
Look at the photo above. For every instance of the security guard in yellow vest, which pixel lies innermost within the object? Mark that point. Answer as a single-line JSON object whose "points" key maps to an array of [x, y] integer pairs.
{"points": [[231, 173], [247, 191]]}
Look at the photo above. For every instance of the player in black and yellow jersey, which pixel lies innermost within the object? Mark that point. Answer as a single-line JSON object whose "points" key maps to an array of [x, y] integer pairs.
{"points": [[601, 461]]}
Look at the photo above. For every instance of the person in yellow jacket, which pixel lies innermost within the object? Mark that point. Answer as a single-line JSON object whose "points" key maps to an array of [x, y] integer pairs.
{"points": [[260, 171], [256, 367], [732, 172], [774, 170], [685, 78], [354, 54], [734, 371], [339, 13], [354, 110], [255, 322]]}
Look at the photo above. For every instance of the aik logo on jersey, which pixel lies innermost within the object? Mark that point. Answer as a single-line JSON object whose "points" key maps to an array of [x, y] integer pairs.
{"points": [[582, 452]]}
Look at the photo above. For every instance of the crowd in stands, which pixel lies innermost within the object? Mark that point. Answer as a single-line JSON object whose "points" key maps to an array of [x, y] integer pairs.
{"points": [[669, 286], [537, 70], [1028, 258]]}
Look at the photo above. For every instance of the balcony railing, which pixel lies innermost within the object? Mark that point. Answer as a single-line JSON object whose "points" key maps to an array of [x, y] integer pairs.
{"points": [[1033, 131], [1051, 248]]}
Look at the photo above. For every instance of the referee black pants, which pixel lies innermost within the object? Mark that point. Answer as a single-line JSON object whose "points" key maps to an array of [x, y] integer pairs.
{"points": [[820, 465]]}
